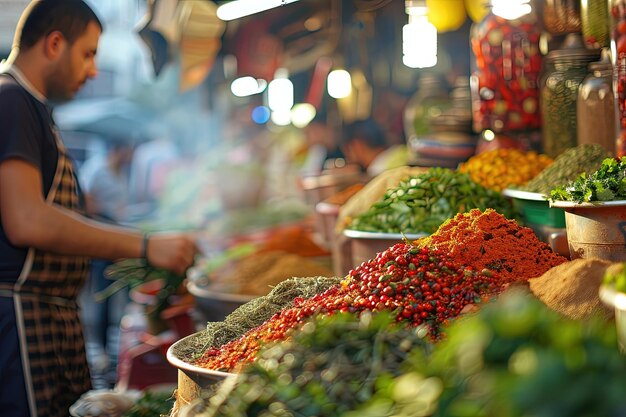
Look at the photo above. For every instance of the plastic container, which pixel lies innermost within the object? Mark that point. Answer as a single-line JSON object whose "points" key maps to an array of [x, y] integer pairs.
{"points": [[561, 16], [596, 116], [506, 70], [594, 18], [535, 208], [566, 70], [596, 229]]}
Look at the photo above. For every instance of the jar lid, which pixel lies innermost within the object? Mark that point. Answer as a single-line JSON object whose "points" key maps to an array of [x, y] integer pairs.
{"points": [[604, 64], [573, 47]]}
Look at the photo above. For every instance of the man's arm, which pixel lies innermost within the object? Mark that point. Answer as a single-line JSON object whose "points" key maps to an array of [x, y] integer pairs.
{"points": [[30, 222]]}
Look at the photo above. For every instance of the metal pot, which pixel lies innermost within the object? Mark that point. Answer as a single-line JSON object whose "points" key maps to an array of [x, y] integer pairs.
{"points": [[595, 230]]}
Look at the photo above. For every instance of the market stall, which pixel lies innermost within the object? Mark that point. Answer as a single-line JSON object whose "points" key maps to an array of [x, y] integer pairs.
{"points": [[486, 277]]}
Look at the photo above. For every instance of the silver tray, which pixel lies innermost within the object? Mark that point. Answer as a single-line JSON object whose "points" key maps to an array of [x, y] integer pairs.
{"points": [[523, 195], [357, 234]]}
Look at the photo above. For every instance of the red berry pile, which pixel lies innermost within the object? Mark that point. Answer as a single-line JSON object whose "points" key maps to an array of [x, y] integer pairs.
{"points": [[422, 286]]}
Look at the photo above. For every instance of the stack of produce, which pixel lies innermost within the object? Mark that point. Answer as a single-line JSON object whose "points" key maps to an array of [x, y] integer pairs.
{"points": [[420, 204], [567, 167], [489, 240], [606, 184], [502, 168], [422, 285]]}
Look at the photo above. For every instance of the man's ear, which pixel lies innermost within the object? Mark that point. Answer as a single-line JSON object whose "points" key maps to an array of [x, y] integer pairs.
{"points": [[54, 44]]}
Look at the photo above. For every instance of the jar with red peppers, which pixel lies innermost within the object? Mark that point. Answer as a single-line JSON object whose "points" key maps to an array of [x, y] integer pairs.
{"points": [[505, 77], [594, 17], [561, 16], [566, 70], [618, 54]]}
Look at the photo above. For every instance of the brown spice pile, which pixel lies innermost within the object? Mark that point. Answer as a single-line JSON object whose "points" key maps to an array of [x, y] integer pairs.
{"points": [[293, 240], [489, 240], [341, 197], [572, 288], [257, 274]]}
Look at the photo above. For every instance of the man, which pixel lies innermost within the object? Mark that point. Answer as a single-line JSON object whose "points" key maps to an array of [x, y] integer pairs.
{"points": [[45, 243], [364, 143]]}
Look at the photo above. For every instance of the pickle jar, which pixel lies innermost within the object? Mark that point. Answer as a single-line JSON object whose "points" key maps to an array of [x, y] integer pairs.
{"points": [[594, 18], [561, 16], [567, 68], [618, 53], [595, 107], [505, 73]]}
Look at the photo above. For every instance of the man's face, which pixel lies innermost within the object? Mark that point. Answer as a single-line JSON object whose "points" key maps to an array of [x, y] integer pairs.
{"points": [[75, 65]]}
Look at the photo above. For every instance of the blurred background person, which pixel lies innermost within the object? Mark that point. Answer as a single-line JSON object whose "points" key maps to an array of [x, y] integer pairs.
{"points": [[104, 180], [364, 143]]}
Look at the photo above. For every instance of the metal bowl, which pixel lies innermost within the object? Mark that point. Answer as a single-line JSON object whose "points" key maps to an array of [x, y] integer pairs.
{"points": [[617, 301], [191, 378], [365, 245], [213, 305], [595, 229]]}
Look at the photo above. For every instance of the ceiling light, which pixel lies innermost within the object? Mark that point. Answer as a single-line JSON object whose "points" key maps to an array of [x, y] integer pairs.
{"points": [[240, 8]]}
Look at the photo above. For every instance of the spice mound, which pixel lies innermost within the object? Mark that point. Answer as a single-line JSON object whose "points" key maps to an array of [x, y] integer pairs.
{"points": [[421, 286], [567, 167], [571, 289], [502, 168], [490, 240], [256, 274]]}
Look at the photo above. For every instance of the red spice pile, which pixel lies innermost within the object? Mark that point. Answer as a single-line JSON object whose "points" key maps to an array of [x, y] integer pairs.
{"points": [[422, 286], [489, 240]]}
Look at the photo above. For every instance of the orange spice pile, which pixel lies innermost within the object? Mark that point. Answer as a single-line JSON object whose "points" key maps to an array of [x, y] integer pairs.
{"points": [[489, 240]]}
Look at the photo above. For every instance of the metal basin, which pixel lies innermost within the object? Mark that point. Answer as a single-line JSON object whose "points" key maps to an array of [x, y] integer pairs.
{"points": [[595, 230], [365, 245], [617, 301], [192, 379]]}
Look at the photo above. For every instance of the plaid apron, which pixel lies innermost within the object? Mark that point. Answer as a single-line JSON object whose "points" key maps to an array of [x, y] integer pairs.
{"points": [[50, 333]]}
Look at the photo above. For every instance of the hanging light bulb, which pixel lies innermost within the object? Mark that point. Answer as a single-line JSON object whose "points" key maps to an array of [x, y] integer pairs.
{"points": [[511, 9], [280, 92], [339, 83], [419, 37]]}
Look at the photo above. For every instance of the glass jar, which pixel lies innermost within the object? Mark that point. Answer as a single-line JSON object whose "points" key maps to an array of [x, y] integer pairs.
{"points": [[618, 54], [567, 70], [594, 18], [595, 107], [561, 16], [505, 76]]}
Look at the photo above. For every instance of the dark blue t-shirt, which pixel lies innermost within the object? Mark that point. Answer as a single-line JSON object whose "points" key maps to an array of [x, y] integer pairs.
{"points": [[25, 133]]}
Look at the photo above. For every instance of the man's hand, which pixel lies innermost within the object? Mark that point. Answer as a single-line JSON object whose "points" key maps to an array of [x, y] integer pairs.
{"points": [[174, 252]]}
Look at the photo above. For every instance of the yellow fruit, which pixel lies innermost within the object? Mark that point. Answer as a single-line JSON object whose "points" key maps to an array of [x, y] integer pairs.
{"points": [[446, 15]]}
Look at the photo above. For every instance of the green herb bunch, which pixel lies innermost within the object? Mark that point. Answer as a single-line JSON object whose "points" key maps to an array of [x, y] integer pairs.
{"points": [[608, 183], [420, 204]]}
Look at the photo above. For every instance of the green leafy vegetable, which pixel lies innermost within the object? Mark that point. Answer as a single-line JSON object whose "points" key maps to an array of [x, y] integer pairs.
{"points": [[420, 204], [608, 183]]}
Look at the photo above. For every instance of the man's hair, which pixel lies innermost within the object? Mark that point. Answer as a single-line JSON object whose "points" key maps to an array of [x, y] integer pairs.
{"points": [[42, 17], [368, 131]]}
